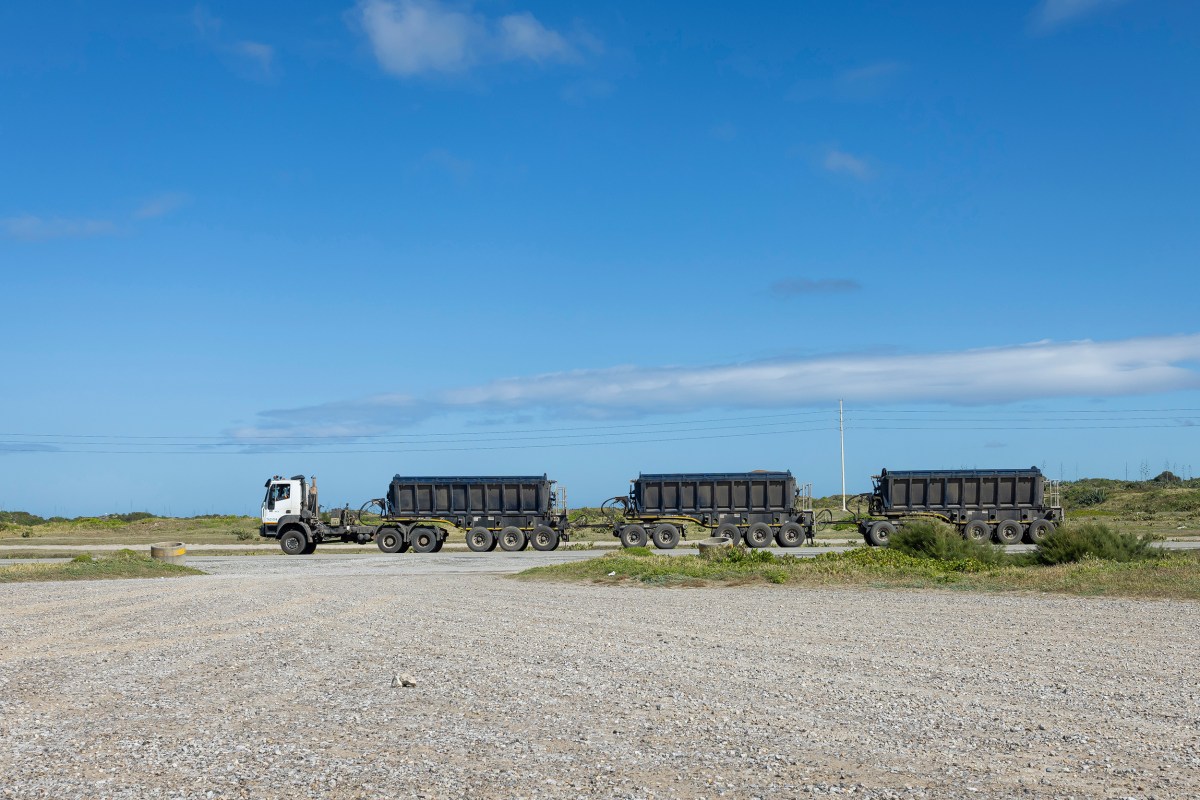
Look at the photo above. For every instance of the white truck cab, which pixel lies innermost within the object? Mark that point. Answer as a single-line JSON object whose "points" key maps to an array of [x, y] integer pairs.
{"points": [[285, 497]]}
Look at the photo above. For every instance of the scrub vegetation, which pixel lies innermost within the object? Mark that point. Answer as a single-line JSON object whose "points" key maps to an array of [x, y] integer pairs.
{"points": [[83, 567]]}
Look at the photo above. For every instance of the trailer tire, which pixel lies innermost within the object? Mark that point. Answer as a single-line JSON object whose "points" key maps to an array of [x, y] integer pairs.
{"points": [[423, 540], [481, 540], [729, 531], [633, 536], [1039, 529], [791, 534], [666, 536], [1008, 532], [293, 542], [390, 540], [976, 530], [513, 539], [759, 535], [879, 534], [544, 538]]}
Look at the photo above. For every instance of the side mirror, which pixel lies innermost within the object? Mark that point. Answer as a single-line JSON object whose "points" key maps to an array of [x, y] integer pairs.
{"points": [[271, 504]]}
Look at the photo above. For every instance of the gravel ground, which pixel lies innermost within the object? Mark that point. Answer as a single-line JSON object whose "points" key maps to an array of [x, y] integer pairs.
{"points": [[279, 684]]}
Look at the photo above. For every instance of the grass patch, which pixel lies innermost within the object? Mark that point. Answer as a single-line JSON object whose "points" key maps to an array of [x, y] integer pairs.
{"points": [[85, 567]]}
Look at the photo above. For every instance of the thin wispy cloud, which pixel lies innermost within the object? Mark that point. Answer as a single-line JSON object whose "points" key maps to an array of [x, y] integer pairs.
{"points": [[31, 228], [414, 37], [161, 205], [842, 163], [791, 287], [1050, 15], [1048, 370], [255, 59]]}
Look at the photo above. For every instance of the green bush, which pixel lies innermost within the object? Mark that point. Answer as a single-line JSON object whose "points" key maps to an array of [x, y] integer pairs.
{"points": [[83, 558], [1094, 540], [931, 540], [243, 535], [1087, 496]]}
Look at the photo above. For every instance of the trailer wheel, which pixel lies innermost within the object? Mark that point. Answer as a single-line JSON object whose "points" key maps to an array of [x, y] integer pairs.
{"points": [[481, 540], [666, 536], [389, 540], [423, 540], [513, 539], [759, 535], [1039, 529], [441, 542], [791, 534], [879, 534], [633, 536], [977, 530], [544, 538], [1008, 532], [293, 542], [729, 531]]}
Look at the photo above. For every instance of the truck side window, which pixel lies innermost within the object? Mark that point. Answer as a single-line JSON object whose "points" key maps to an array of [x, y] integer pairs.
{"points": [[281, 491]]}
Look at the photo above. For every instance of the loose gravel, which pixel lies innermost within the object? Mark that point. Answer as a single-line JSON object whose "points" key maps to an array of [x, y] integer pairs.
{"points": [[281, 685]]}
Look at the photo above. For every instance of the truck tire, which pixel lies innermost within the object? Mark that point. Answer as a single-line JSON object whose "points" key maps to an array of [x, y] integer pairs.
{"points": [[1039, 529], [310, 548], [423, 540], [633, 536], [544, 538], [879, 533], [293, 542], [791, 534], [481, 540], [759, 535], [729, 531], [665, 536], [976, 530], [390, 540], [513, 539], [1008, 532]]}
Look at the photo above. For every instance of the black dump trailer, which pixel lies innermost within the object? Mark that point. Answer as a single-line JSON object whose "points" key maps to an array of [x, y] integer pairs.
{"points": [[513, 512], [757, 508], [1007, 505]]}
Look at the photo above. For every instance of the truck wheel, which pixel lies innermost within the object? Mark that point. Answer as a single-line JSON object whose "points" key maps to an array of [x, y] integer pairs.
{"points": [[1039, 529], [513, 539], [441, 542], [293, 543], [791, 534], [879, 534], [977, 530], [1008, 532], [666, 536], [730, 531], [423, 540], [481, 540], [544, 538], [759, 535], [389, 540], [310, 548], [633, 536]]}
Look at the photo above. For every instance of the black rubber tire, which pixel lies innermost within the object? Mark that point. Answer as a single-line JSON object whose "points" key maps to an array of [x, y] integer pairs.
{"points": [[879, 533], [790, 534], [481, 540], [495, 543], [441, 542], [666, 536], [976, 529], [731, 531], [543, 538], [390, 540], [310, 548], [293, 542], [633, 536], [513, 539], [759, 535], [423, 540], [1039, 529], [1009, 532]]}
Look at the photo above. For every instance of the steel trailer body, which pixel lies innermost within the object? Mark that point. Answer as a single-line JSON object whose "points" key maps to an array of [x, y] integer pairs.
{"points": [[1007, 505], [756, 507]]}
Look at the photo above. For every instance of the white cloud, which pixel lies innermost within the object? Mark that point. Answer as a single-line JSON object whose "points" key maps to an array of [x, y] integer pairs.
{"points": [[992, 375], [258, 56], [411, 37], [1053, 14], [844, 163], [161, 205], [34, 228], [261, 55]]}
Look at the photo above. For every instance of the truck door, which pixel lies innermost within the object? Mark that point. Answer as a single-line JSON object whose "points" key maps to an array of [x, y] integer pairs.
{"points": [[283, 498]]}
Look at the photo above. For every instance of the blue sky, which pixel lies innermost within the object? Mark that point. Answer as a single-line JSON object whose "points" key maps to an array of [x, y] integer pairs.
{"points": [[590, 240]]}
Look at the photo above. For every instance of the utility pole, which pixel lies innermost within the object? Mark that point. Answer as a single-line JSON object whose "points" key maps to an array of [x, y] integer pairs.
{"points": [[842, 441]]}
